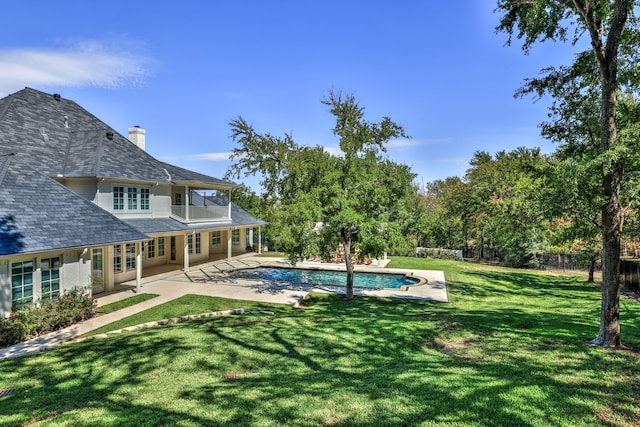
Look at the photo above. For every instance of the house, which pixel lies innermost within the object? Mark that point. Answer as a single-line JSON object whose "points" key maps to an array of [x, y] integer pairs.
{"points": [[83, 206]]}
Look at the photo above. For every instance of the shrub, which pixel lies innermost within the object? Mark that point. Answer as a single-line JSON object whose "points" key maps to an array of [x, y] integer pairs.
{"points": [[50, 315], [434, 253]]}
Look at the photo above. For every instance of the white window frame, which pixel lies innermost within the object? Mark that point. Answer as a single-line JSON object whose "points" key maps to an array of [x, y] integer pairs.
{"points": [[130, 256], [27, 280], [131, 198], [216, 239], [145, 203], [117, 258], [51, 281], [151, 249], [161, 246]]}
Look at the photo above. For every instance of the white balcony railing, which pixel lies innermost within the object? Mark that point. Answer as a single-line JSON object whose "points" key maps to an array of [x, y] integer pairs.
{"points": [[200, 213]]}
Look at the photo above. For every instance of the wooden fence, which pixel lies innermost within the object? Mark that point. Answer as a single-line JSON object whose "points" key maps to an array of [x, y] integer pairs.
{"points": [[630, 274]]}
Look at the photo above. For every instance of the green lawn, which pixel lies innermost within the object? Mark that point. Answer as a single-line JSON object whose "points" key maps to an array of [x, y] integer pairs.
{"points": [[508, 349]]}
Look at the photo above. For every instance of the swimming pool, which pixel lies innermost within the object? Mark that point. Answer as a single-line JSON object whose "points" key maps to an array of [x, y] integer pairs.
{"points": [[325, 277]]}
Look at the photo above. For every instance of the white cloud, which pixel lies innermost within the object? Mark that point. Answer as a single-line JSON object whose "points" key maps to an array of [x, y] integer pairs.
{"points": [[458, 160], [399, 144], [334, 150], [87, 64], [212, 157]]}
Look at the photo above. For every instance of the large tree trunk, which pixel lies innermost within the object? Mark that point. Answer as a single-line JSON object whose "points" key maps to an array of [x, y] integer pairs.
{"points": [[609, 334], [606, 53], [346, 242]]}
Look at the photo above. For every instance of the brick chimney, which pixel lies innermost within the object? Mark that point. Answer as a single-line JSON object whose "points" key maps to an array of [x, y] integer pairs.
{"points": [[137, 136]]}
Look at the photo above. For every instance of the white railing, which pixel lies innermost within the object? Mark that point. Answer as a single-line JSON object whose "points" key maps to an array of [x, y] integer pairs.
{"points": [[200, 213]]}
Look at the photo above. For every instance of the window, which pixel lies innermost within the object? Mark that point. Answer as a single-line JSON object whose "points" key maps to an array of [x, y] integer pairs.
{"points": [[177, 199], [137, 198], [50, 268], [216, 239], [118, 198], [132, 198], [160, 246], [198, 244], [21, 284], [235, 237], [151, 249], [130, 256], [144, 199], [197, 247], [247, 236], [117, 259]]}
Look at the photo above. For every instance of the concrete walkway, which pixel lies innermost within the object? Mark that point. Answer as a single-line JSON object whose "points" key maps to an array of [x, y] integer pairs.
{"points": [[212, 280]]}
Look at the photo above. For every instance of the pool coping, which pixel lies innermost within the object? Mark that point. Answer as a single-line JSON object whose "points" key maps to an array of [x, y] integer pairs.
{"points": [[432, 284], [421, 280]]}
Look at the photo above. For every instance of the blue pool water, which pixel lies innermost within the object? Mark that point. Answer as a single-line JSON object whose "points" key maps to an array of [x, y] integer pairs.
{"points": [[325, 277]]}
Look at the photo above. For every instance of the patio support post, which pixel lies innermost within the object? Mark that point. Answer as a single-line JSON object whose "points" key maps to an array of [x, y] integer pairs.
{"points": [[138, 266], [259, 239], [229, 248], [186, 253], [186, 203], [229, 207]]}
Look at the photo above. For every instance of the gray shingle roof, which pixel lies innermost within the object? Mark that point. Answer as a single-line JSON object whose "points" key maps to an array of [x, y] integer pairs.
{"points": [[61, 137], [179, 174], [50, 136], [39, 214]]}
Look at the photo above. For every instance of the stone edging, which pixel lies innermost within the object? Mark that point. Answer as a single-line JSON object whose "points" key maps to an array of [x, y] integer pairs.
{"points": [[181, 319]]}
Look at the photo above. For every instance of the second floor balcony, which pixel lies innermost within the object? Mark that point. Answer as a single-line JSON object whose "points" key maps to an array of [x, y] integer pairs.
{"points": [[212, 213]]}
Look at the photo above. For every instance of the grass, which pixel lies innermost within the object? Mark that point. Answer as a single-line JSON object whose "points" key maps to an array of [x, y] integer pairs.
{"points": [[128, 302], [508, 349], [188, 304]]}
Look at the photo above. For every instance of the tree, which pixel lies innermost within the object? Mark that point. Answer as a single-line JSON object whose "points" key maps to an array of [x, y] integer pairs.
{"points": [[357, 198], [574, 202], [604, 23]]}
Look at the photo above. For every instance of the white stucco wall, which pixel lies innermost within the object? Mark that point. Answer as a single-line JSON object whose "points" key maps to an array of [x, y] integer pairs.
{"points": [[75, 271], [159, 199]]}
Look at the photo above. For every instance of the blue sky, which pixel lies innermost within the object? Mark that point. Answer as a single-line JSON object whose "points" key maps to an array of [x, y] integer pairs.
{"points": [[183, 70]]}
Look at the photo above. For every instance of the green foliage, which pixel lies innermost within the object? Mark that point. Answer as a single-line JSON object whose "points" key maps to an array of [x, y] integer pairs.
{"points": [[498, 206], [435, 253], [71, 307], [319, 200], [609, 68]]}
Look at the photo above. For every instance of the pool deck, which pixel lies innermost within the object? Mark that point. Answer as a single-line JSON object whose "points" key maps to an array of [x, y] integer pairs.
{"points": [[212, 279]]}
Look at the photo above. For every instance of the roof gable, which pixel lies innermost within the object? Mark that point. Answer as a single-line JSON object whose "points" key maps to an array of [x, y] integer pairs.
{"points": [[39, 214], [61, 138]]}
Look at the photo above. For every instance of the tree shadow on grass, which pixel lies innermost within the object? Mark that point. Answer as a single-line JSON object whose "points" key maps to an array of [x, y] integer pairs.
{"points": [[100, 376], [398, 381], [383, 362]]}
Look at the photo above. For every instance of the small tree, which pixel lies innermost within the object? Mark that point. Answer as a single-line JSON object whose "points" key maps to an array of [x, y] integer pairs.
{"points": [[355, 195]]}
